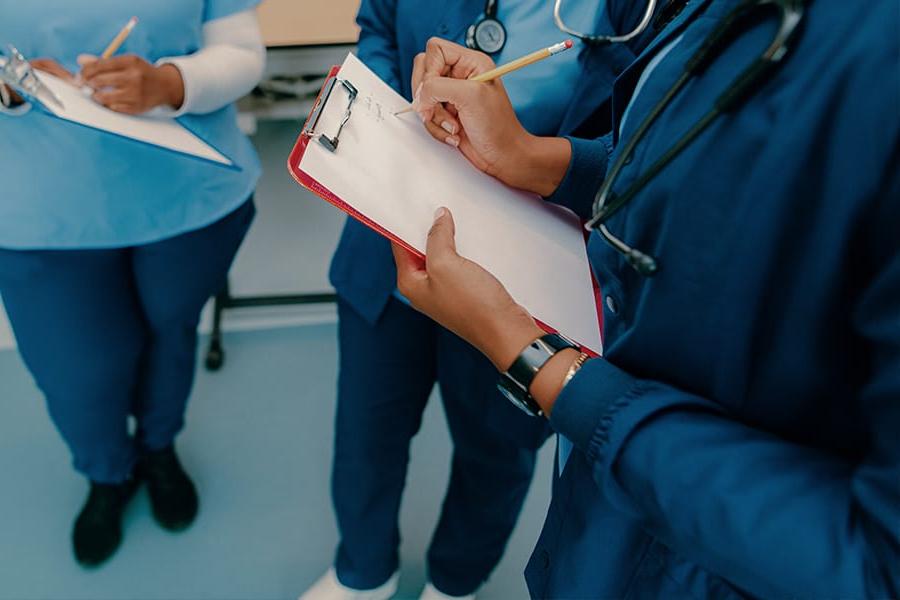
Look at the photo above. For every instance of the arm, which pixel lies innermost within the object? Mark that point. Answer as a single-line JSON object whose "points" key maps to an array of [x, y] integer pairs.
{"points": [[228, 65], [378, 40], [479, 119], [776, 518]]}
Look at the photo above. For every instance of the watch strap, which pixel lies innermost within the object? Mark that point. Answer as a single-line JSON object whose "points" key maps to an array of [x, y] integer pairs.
{"points": [[535, 355]]}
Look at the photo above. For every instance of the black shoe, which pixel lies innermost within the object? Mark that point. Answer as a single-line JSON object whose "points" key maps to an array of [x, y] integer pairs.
{"points": [[172, 493], [98, 529]]}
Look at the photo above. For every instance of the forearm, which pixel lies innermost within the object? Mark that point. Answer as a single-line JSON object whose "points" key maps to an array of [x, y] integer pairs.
{"points": [[775, 518], [539, 165], [230, 63]]}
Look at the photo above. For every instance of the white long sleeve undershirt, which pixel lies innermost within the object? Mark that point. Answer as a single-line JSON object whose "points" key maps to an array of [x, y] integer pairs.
{"points": [[228, 65]]}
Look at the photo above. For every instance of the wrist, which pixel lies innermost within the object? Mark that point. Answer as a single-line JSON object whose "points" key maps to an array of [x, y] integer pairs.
{"points": [[548, 382], [540, 164], [170, 85], [511, 339]]}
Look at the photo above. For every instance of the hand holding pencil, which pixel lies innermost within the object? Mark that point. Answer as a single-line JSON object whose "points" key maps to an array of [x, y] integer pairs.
{"points": [[463, 111], [127, 83]]}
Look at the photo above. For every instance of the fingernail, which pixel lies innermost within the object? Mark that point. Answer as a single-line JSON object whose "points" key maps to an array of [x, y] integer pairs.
{"points": [[453, 141], [449, 127], [418, 90], [440, 212]]}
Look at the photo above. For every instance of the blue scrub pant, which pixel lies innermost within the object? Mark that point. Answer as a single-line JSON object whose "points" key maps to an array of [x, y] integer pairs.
{"points": [[112, 333], [387, 372]]}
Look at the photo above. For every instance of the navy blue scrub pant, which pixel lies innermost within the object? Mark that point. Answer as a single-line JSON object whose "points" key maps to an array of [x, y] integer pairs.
{"points": [[113, 333], [387, 372]]}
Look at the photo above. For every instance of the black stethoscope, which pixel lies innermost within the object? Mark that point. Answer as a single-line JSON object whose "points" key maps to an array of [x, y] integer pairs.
{"points": [[606, 203], [488, 34]]}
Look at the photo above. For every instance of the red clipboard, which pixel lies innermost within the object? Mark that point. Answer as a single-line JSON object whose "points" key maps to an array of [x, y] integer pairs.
{"points": [[306, 181]]}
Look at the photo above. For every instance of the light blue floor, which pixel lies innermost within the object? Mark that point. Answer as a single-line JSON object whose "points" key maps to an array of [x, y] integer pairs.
{"points": [[258, 443]]}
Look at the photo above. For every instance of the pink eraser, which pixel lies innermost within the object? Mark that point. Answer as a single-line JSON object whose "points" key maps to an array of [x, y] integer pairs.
{"points": [[569, 44]]}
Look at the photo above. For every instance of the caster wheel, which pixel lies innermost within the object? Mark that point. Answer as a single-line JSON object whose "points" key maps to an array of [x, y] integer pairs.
{"points": [[215, 357]]}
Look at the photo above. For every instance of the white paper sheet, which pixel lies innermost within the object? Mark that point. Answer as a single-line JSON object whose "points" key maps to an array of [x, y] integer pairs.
{"points": [[163, 132], [390, 170]]}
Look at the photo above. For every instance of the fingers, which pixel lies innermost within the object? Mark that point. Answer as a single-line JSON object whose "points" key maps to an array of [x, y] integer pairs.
{"points": [[411, 273], [443, 119], [116, 79], [114, 96], [51, 66], [418, 73], [126, 109], [444, 127], [441, 244], [85, 59], [443, 58], [442, 90], [108, 65], [441, 134]]}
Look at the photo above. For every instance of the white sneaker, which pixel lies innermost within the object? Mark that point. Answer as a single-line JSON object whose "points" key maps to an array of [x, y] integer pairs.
{"points": [[432, 593], [329, 588]]}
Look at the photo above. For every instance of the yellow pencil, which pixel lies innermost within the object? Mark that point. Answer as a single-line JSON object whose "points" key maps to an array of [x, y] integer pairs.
{"points": [[514, 65], [119, 39]]}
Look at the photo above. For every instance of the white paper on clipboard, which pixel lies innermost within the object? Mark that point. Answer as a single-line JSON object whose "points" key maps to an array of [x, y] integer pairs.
{"points": [[393, 172]]}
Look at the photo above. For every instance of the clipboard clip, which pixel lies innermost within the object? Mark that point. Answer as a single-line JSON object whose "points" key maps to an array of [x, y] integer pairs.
{"points": [[332, 143], [18, 73]]}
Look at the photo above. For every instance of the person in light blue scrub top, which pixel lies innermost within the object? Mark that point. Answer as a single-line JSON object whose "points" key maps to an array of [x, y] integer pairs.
{"points": [[380, 398], [109, 248]]}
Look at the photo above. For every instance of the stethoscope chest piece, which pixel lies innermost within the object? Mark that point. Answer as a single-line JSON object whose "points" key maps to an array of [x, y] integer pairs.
{"points": [[487, 34]]}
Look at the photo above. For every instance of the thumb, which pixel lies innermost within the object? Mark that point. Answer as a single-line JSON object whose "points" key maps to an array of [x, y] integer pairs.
{"points": [[441, 242], [86, 59]]}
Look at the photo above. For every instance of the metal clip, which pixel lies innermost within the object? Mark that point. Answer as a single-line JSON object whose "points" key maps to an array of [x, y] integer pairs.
{"points": [[18, 73], [332, 143]]}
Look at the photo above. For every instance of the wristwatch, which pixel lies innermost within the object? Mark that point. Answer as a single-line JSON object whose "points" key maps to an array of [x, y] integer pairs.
{"points": [[516, 382]]}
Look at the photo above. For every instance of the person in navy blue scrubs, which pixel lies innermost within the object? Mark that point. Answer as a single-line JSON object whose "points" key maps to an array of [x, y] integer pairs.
{"points": [[381, 397], [739, 437], [109, 248]]}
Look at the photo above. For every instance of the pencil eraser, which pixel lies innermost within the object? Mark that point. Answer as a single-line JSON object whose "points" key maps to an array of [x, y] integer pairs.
{"points": [[569, 44]]}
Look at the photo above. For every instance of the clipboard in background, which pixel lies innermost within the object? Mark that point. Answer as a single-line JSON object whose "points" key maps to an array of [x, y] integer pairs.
{"points": [[388, 173], [65, 101]]}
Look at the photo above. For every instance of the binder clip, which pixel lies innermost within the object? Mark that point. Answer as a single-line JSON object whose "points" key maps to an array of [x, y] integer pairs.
{"points": [[332, 143], [18, 73]]}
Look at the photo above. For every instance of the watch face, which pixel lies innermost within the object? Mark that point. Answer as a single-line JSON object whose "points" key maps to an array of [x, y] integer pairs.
{"points": [[490, 36]]}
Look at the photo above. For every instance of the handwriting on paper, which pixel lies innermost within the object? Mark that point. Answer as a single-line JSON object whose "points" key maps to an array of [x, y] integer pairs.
{"points": [[374, 108]]}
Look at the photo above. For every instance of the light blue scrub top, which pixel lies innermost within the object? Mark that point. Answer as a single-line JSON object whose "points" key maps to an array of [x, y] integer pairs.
{"points": [[542, 92], [65, 186]]}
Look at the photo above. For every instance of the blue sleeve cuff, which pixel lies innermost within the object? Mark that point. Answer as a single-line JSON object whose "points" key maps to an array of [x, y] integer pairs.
{"points": [[584, 176], [587, 401]]}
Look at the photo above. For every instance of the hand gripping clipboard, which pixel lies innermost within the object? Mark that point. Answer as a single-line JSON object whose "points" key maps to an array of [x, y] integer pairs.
{"points": [[346, 101]]}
